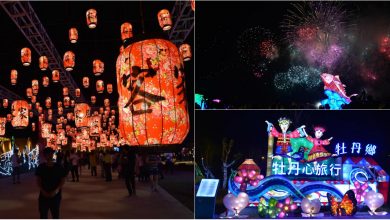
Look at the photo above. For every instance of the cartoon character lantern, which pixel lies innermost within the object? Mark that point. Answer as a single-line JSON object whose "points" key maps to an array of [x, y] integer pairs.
{"points": [[43, 63], [69, 60], [19, 110], [91, 18], [98, 67], [126, 31], [164, 19], [3, 121], [26, 56], [14, 77], [81, 111], [55, 76], [73, 35], [152, 102]]}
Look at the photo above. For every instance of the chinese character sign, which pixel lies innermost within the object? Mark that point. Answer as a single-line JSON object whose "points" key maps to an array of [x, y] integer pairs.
{"points": [[356, 148]]}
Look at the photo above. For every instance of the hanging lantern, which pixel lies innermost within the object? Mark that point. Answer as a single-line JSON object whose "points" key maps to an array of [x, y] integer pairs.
{"points": [[185, 52], [43, 63], [33, 126], [91, 18], [3, 121], [26, 56], [45, 81], [109, 88], [69, 116], [40, 109], [46, 130], [37, 105], [31, 114], [154, 111], [64, 141], [192, 4], [50, 117], [164, 19], [66, 102], [126, 31], [60, 111], [93, 99], [35, 86], [65, 121], [85, 82], [9, 117], [98, 67], [59, 104], [65, 91], [72, 103], [81, 111], [103, 139], [29, 106], [85, 133], [19, 111], [113, 112], [14, 77], [69, 60], [106, 102], [50, 111], [33, 99], [77, 92], [5, 103], [101, 110], [73, 35], [99, 86], [55, 76], [48, 102], [29, 92]]}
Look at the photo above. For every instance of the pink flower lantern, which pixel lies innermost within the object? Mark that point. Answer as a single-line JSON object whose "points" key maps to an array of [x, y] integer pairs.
{"points": [[287, 206], [248, 173], [360, 190]]}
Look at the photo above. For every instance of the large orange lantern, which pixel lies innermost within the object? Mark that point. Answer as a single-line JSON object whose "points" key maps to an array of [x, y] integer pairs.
{"points": [[35, 86], [26, 56], [126, 31], [69, 60], [85, 82], [46, 130], [109, 88], [14, 77], [48, 102], [164, 19], [65, 91], [99, 86], [185, 52], [5, 103], [45, 81], [82, 112], [73, 35], [152, 107], [55, 76], [43, 63], [93, 99], [19, 111], [29, 92], [66, 102], [77, 92], [3, 121], [91, 18], [98, 67]]}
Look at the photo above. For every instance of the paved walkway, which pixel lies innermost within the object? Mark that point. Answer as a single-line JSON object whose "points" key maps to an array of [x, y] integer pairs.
{"points": [[92, 197]]}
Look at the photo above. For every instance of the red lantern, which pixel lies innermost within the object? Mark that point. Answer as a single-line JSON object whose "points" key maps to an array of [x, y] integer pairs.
{"points": [[121, 49], [5, 103], [9, 117], [155, 110], [14, 77], [77, 92], [109, 88], [106, 102], [101, 110], [45, 81], [91, 18], [126, 31], [59, 104], [31, 114], [19, 110], [28, 92], [69, 60], [46, 130], [43, 63], [103, 139], [93, 99], [48, 102], [192, 4], [185, 52], [66, 102], [50, 111], [85, 82], [29, 106], [33, 99], [37, 105], [81, 111], [99, 86], [26, 56], [60, 111], [72, 103], [164, 19], [50, 117], [65, 91], [40, 109], [73, 35], [98, 67], [35, 86], [55, 76], [33, 126], [3, 120]]}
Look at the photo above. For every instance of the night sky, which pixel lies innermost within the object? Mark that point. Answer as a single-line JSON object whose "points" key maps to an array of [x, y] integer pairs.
{"points": [[221, 72]]}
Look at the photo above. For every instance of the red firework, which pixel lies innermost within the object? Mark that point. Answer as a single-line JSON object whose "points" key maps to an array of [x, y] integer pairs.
{"points": [[384, 46]]}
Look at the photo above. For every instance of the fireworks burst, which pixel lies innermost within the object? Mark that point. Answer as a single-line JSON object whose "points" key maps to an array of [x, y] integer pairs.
{"points": [[306, 77]]}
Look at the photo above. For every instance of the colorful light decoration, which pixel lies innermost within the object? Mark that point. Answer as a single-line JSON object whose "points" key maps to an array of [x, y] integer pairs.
{"points": [[82, 112], [91, 18], [35, 86], [248, 173], [3, 121], [14, 76], [69, 60], [19, 110], [287, 206], [109, 88], [268, 211], [43, 63], [347, 206], [100, 86], [374, 200], [98, 67], [26, 56], [185, 52], [126, 31], [236, 204], [164, 19], [85, 82], [73, 35], [45, 81], [360, 190], [55, 76]]}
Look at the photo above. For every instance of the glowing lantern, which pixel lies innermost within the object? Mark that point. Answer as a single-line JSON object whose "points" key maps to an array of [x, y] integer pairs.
{"points": [[5, 103], [192, 4], [9, 117], [26, 56], [48, 102], [185, 52], [45, 81], [66, 102], [164, 19], [40, 109], [60, 111], [59, 104], [35, 86], [19, 111], [106, 102], [121, 49], [109, 88], [14, 77], [103, 139], [65, 91], [155, 110], [77, 92], [69, 116], [101, 110], [46, 130], [93, 99], [55, 76], [85, 82], [50, 111], [81, 111], [98, 67], [31, 114], [50, 117], [69, 60], [3, 120], [72, 103], [37, 105], [126, 31], [73, 35], [33, 126], [91, 18], [33, 99], [28, 92], [29, 106], [99, 86], [43, 63]]}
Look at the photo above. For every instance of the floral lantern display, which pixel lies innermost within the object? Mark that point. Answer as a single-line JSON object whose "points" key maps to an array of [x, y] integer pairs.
{"points": [[185, 52], [85, 82], [5, 103], [99, 86], [45, 81], [82, 112], [93, 99], [109, 88], [152, 107], [65, 91], [26, 56], [94, 126], [3, 121], [46, 130], [73, 35], [126, 31], [33, 99], [29, 92], [98, 67], [66, 102], [14, 76], [164, 19], [48, 102], [77, 92], [69, 60], [35, 86], [248, 174], [19, 111], [55, 76], [91, 18], [43, 63]]}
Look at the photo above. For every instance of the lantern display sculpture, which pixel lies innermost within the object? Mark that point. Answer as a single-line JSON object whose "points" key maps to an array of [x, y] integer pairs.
{"points": [[5, 103], [347, 206], [152, 102], [73, 35], [100, 86], [82, 112], [248, 174], [185, 52], [55, 76], [3, 121], [91, 18], [26, 56], [69, 60], [14, 77], [97, 67], [126, 31], [164, 19], [43, 63], [35, 86], [109, 88], [45, 81], [236, 203], [19, 111], [85, 82], [46, 130], [94, 126]]}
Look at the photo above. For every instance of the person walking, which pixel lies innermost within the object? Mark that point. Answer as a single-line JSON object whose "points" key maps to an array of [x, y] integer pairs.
{"points": [[127, 161], [93, 162], [152, 161], [16, 162], [74, 160], [50, 178], [107, 166]]}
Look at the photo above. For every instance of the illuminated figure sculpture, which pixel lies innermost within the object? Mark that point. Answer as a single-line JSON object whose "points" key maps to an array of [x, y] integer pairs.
{"points": [[335, 91], [318, 152]]}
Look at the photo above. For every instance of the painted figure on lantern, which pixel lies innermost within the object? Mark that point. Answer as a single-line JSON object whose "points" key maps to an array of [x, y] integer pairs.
{"points": [[318, 152]]}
